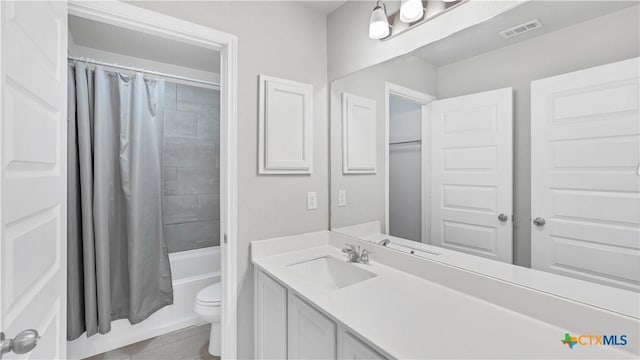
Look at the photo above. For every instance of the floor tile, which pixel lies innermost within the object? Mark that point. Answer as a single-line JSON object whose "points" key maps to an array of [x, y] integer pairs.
{"points": [[186, 344]]}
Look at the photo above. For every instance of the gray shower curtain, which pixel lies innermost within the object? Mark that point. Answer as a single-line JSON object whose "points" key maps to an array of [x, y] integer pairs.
{"points": [[118, 263]]}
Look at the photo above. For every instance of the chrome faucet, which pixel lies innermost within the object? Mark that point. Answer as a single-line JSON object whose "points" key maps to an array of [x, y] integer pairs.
{"points": [[356, 256], [364, 256], [384, 242], [351, 253]]}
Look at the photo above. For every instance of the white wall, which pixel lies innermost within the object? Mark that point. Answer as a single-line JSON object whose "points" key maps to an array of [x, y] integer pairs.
{"points": [[365, 192], [287, 40], [146, 64], [351, 49], [606, 39]]}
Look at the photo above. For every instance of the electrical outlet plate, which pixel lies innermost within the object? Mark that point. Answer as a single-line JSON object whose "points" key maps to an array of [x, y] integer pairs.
{"points": [[342, 197], [312, 200]]}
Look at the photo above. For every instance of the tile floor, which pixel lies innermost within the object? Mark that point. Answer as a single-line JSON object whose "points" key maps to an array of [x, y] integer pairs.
{"points": [[186, 344]]}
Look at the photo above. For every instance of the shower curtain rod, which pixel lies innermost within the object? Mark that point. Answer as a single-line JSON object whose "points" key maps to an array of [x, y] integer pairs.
{"points": [[156, 73]]}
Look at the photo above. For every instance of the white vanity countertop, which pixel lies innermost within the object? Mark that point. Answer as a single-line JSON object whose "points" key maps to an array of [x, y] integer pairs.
{"points": [[412, 318], [605, 297]]}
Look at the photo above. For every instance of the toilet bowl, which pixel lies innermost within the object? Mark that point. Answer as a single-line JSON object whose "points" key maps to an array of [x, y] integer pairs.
{"points": [[208, 307]]}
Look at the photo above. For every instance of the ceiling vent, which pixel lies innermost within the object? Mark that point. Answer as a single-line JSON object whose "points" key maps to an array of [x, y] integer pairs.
{"points": [[521, 29]]}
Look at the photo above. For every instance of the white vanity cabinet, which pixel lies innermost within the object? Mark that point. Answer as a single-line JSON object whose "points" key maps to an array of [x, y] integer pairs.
{"points": [[270, 318], [352, 348], [311, 335], [287, 327]]}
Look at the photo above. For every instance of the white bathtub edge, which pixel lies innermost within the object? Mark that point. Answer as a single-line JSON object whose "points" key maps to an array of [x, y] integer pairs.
{"points": [[173, 317]]}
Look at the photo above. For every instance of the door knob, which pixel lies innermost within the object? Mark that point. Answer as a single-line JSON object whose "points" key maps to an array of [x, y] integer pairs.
{"points": [[503, 217], [539, 221], [24, 342]]}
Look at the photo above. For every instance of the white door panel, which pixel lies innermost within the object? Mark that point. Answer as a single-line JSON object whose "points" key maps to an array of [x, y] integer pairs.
{"points": [[472, 180], [33, 173], [585, 153]]}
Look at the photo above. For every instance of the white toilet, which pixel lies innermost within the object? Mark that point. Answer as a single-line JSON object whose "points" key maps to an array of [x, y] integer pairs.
{"points": [[208, 307]]}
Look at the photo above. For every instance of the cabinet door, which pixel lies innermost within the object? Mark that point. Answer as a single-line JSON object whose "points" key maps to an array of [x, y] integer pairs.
{"points": [[358, 135], [351, 348], [311, 334], [271, 318], [285, 126]]}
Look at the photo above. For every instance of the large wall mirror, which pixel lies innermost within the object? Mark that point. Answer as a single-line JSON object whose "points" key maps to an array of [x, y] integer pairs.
{"points": [[519, 146]]}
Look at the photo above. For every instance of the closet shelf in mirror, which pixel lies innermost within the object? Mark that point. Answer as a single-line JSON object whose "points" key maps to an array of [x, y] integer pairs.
{"points": [[406, 142]]}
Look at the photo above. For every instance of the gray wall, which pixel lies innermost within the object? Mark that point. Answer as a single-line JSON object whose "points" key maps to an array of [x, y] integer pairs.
{"points": [[405, 169], [283, 39], [607, 39], [365, 192], [191, 167], [351, 49]]}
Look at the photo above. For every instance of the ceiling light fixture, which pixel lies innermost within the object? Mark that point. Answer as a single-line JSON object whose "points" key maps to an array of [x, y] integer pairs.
{"points": [[411, 11], [379, 23]]}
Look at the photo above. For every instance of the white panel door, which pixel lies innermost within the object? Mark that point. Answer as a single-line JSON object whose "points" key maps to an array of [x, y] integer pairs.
{"points": [[359, 143], [472, 174], [33, 87], [585, 154], [311, 335]]}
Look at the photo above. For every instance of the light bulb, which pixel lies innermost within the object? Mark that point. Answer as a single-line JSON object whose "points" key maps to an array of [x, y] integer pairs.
{"points": [[378, 24], [411, 10]]}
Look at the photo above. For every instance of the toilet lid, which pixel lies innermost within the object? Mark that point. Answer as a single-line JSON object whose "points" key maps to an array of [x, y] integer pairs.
{"points": [[209, 295]]}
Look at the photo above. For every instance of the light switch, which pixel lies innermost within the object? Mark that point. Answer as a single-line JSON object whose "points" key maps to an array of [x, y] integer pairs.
{"points": [[312, 200], [342, 197]]}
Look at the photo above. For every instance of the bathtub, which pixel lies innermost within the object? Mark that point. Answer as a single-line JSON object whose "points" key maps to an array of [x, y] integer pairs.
{"points": [[191, 271]]}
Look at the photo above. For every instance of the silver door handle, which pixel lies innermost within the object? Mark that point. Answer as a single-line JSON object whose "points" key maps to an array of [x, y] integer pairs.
{"points": [[503, 217], [539, 221], [24, 342]]}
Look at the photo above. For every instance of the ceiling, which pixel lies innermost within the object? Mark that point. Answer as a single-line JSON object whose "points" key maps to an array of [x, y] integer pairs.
{"points": [[485, 37], [107, 37], [324, 7], [479, 39], [102, 36]]}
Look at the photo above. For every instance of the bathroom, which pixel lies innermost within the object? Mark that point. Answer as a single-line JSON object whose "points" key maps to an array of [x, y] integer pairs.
{"points": [[292, 170]]}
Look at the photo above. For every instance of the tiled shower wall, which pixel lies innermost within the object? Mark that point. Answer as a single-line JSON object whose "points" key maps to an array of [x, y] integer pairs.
{"points": [[191, 167]]}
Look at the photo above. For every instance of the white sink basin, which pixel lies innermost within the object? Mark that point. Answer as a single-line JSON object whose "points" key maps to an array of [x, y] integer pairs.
{"points": [[329, 272]]}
